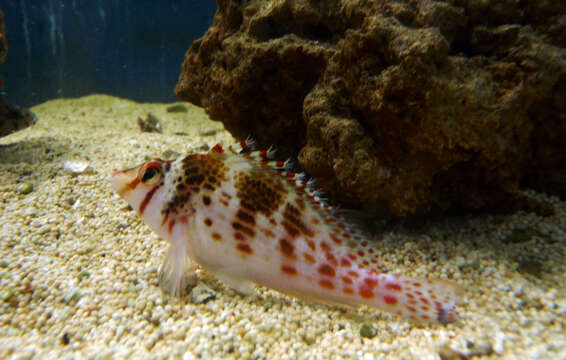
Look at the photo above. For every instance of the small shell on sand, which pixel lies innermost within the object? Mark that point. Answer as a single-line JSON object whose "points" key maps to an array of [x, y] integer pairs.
{"points": [[75, 167]]}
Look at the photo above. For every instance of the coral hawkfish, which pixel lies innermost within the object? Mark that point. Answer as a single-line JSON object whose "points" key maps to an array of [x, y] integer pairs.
{"points": [[249, 219]]}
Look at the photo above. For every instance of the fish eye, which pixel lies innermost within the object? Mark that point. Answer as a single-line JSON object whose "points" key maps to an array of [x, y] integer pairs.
{"points": [[150, 173]]}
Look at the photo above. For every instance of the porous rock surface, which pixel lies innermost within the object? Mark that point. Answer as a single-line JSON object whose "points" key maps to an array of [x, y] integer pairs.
{"points": [[398, 107]]}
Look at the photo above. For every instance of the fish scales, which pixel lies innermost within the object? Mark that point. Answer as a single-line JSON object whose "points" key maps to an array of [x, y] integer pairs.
{"points": [[248, 219]]}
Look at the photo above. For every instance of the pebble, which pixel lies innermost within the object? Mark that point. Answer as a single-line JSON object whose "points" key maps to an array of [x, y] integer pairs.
{"points": [[481, 348], [177, 108], [202, 294], [83, 275], [150, 124], [367, 330], [208, 132], [447, 353], [24, 188], [171, 154], [71, 297]]}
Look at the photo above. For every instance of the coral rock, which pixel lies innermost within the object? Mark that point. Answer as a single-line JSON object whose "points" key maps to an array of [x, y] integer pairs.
{"points": [[397, 107]]}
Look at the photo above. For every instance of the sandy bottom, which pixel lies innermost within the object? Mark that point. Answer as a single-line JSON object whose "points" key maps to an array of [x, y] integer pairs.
{"points": [[78, 270]]}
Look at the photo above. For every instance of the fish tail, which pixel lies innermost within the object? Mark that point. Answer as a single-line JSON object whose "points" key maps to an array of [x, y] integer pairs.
{"points": [[422, 299]]}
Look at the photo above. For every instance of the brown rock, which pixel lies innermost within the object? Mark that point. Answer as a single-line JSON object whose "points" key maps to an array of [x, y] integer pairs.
{"points": [[396, 107], [12, 117]]}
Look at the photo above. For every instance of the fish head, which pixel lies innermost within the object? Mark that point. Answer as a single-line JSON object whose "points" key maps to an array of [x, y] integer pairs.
{"points": [[144, 189]]}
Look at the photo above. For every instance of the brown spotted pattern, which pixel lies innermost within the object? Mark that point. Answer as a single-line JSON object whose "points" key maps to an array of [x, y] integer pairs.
{"points": [[259, 194], [200, 173]]}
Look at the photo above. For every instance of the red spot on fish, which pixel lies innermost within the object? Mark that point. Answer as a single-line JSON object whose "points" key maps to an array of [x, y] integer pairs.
{"points": [[390, 300], [411, 309], [245, 248], [289, 270], [217, 149], [216, 236], [308, 257], [327, 270], [353, 274], [352, 257], [361, 253], [315, 221], [311, 245], [331, 259], [348, 291], [364, 243], [336, 239], [371, 282], [268, 233], [366, 291], [327, 284], [416, 284], [171, 225], [287, 248], [393, 287], [325, 246], [347, 280], [345, 263], [424, 300]]}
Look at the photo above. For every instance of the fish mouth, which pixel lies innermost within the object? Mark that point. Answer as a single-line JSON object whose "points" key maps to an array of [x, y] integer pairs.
{"points": [[123, 181]]}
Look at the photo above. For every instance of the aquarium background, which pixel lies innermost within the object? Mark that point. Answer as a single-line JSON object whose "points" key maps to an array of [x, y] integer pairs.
{"points": [[70, 48]]}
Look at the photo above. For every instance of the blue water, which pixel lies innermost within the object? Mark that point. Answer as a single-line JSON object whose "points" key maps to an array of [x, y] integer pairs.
{"points": [[127, 48]]}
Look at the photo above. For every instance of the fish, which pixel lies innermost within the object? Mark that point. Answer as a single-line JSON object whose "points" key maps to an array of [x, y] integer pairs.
{"points": [[249, 220]]}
